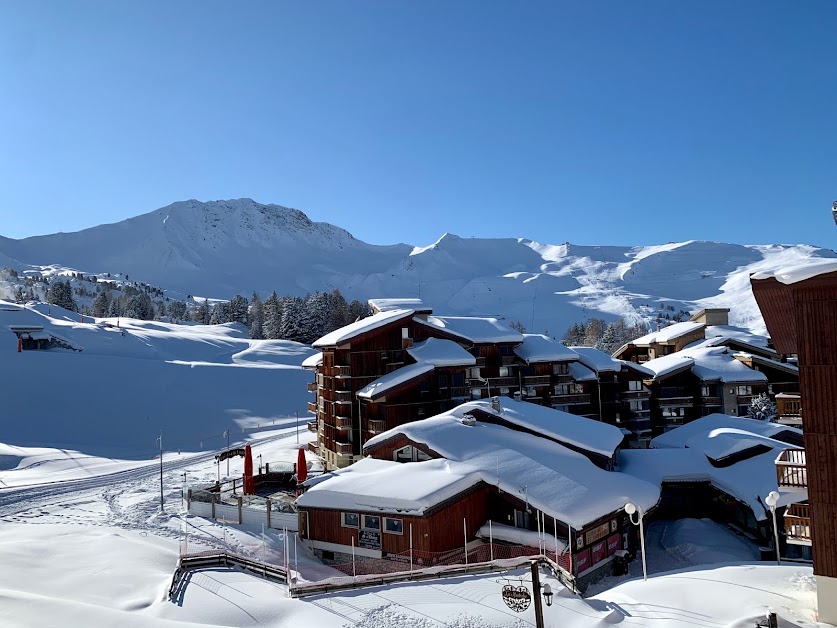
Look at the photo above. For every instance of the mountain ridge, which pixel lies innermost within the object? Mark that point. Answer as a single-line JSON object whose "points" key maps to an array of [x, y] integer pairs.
{"points": [[219, 248]]}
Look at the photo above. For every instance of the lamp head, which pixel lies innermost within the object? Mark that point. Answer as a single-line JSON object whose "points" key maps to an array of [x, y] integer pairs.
{"points": [[547, 594], [772, 499], [630, 508]]}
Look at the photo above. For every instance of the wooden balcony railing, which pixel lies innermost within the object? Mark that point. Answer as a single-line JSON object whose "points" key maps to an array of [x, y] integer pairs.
{"points": [[744, 400], [342, 396], [343, 449], [342, 371], [312, 426], [312, 386], [507, 360], [790, 469], [669, 402], [376, 426], [314, 446], [798, 524], [312, 407], [343, 422], [343, 411], [537, 380], [459, 391], [569, 400], [502, 381], [710, 401]]}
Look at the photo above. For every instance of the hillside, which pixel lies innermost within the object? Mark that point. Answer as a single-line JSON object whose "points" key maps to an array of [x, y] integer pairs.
{"points": [[128, 383], [220, 248]]}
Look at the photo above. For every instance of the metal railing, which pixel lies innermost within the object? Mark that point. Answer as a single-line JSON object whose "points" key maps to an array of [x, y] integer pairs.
{"points": [[791, 471]]}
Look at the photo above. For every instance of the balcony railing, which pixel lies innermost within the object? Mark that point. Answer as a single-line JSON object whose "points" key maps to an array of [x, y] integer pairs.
{"points": [[502, 381], [343, 449], [342, 371], [343, 422], [312, 407], [459, 391], [790, 469], [507, 360], [312, 386], [798, 524], [314, 446], [569, 400], [342, 396], [312, 426], [343, 411], [744, 400], [376, 426], [537, 380], [670, 402], [710, 401]]}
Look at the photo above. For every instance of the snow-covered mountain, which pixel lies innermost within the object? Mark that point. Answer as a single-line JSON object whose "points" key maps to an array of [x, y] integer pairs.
{"points": [[220, 248]]}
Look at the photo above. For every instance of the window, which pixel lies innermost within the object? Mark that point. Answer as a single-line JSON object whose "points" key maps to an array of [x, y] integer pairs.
{"points": [[393, 526], [443, 381], [405, 333], [745, 390], [405, 454], [474, 372], [569, 389], [505, 371], [371, 522], [634, 385], [636, 405], [350, 519], [560, 369], [704, 391], [476, 393], [420, 455]]}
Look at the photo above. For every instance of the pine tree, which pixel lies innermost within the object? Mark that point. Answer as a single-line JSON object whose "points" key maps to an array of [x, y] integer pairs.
{"points": [[762, 408], [60, 293], [238, 310], [338, 311], [609, 341], [272, 325], [177, 311], [256, 317], [292, 323], [101, 304], [139, 306], [220, 313]]}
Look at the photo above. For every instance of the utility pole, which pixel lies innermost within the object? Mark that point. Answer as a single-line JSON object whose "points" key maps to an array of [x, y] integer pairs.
{"points": [[160, 441], [227, 434]]}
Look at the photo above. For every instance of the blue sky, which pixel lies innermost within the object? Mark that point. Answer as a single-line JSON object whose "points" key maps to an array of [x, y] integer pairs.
{"points": [[590, 122]]}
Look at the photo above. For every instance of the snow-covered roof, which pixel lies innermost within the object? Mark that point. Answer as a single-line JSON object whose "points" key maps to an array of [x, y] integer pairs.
{"points": [[602, 362], [709, 364], [758, 359], [475, 329], [722, 333], [680, 437], [669, 364], [406, 303], [346, 333], [388, 486], [557, 480], [541, 348], [441, 353], [581, 373], [667, 334], [793, 273], [519, 536], [719, 364], [313, 361], [709, 439], [391, 380]]}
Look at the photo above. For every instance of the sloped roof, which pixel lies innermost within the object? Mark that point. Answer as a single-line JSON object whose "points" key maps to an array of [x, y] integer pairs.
{"points": [[558, 481], [313, 361], [475, 329], [352, 330], [541, 348], [441, 353], [602, 362], [667, 334], [406, 303], [384, 384]]}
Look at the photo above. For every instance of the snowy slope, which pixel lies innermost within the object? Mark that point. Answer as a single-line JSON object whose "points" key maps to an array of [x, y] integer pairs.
{"points": [[129, 382], [222, 247]]}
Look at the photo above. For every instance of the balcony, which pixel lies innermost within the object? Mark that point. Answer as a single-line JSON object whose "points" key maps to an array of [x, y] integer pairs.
{"points": [[744, 400], [537, 380], [343, 422], [342, 371], [343, 396], [312, 426], [343, 411], [508, 360], [502, 381], [312, 386], [643, 392], [569, 400], [789, 409], [457, 392], [798, 524], [377, 426], [312, 407], [710, 401], [314, 447], [791, 472], [343, 449], [676, 402]]}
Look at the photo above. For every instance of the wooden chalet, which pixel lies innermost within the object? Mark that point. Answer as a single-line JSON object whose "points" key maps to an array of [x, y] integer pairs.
{"points": [[799, 305], [662, 342], [438, 481], [546, 377]]}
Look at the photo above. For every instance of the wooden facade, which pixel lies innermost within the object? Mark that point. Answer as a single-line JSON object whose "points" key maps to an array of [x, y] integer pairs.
{"points": [[802, 319]]}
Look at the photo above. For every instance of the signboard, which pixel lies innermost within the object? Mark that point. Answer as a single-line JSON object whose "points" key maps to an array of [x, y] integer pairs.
{"points": [[598, 552], [516, 598], [582, 561], [614, 543], [599, 532], [230, 453], [369, 539]]}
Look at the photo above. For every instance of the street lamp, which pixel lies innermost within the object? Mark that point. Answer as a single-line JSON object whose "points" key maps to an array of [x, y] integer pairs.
{"points": [[539, 589], [772, 499], [547, 594], [631, 508]]}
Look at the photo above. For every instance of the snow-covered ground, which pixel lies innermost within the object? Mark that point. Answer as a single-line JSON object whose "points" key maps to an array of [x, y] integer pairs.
{"points": [[97, 552]]}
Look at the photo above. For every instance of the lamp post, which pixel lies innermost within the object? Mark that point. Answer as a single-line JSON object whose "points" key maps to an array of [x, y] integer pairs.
{"points": [[631, 508], [160, 441], [772, 499], [539, 589], [227, 436]]}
